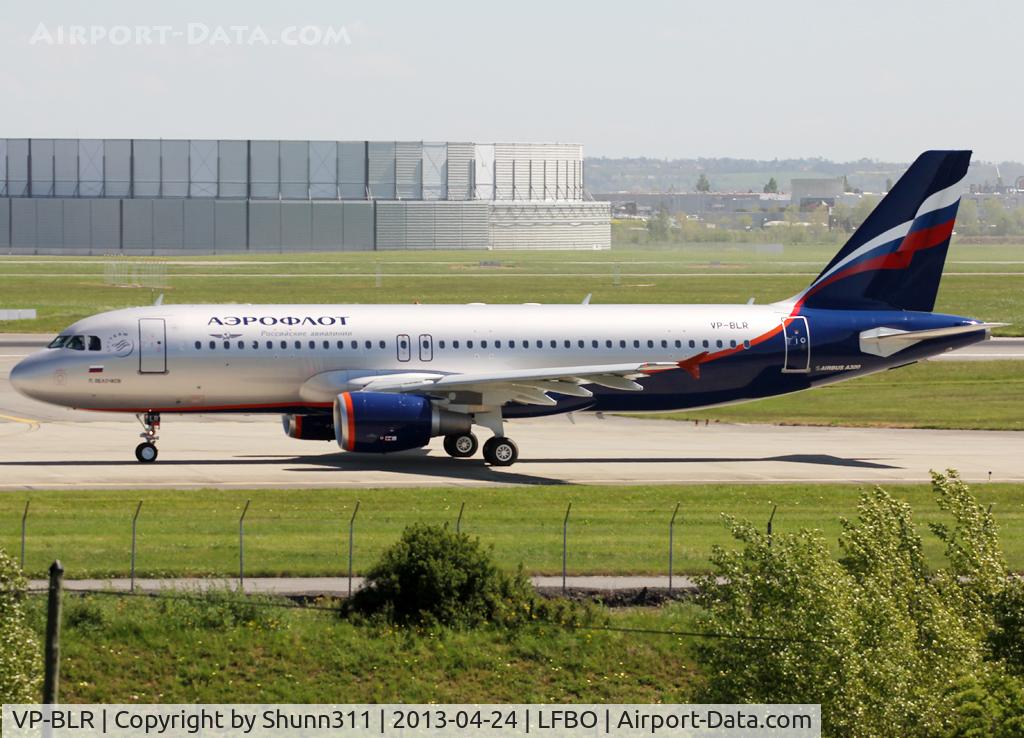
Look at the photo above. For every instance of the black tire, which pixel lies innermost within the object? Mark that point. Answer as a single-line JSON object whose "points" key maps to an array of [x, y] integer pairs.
{"points": [[501, 451], [146, 452], [461, 445]]}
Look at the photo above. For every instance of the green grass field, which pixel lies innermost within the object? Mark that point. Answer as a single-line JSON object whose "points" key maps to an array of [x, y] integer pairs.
{"points": [[973, 395], [119, 650], [612, 530], [981, 281]]}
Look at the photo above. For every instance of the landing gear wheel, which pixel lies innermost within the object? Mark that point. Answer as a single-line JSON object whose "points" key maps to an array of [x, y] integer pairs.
{"points": [[461, 445], [501, 451], [146, 452]]}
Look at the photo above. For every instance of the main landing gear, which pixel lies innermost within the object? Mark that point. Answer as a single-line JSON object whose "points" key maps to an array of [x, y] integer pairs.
{"points": [[146, 451], [498, 451]]}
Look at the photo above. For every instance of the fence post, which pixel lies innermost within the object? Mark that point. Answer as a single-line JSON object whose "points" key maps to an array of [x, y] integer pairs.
{"points": [[134, 520], [351, 535], [770, 519], [241, 546], [671, 542], [24, 523], [565, 544], [458, 523], [51, 677]]}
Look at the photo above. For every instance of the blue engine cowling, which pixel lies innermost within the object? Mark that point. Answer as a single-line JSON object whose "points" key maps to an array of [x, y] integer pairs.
{"points": [[379, 422]]}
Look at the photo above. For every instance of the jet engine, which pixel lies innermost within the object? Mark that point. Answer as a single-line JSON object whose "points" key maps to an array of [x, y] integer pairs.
{"points": [[380, 422], [309, 427]]}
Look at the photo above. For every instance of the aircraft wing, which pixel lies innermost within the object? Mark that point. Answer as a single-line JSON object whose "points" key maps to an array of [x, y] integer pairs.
{"points": [[529, 386]]}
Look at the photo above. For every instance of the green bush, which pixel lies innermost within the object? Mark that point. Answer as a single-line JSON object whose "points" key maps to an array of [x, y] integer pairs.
{"points": [[432, 576], [20, 655], [886, 645], [220, 609]]}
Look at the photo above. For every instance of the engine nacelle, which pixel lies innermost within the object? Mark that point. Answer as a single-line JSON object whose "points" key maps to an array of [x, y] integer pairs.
{"points": [[309, 427], [380, 422]]}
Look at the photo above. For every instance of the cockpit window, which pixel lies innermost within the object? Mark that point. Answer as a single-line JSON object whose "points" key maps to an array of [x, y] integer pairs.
{"points": [[76, 343], [58, 342], [94, 343]]}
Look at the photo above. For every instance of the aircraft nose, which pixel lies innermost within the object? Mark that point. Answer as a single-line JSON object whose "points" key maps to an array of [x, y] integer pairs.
{"points": [[27, 375]]}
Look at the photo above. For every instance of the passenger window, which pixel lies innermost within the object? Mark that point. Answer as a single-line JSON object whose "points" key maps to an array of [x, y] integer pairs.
{"points": [[327, 344], [469, 344], [198, 345], [441, 343], [746, 344], [650, 344], [455, 344], [75, 343], [567, 343], [270, 345], [512, 343], [298, 344], [369, 345], [692, 344], [705, 343], [540, 344], [554, 344], [580, 343], [255, 345], [312, 344], [94, 343], [608, 344], [381, 344], [213, 345], [284, 344], [622, 343], [341, 344], [227, 344], [355, 344], [497, 344], [718, 343], [679, 344], [636, 343], [483, 344], [593, 344], [732, 344], [664, 343], [241, 344]]}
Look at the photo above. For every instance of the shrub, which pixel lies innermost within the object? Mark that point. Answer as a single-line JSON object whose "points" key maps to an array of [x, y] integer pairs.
{"points": [[220, 609], [20, 655], [433, 576], [886, 644]]}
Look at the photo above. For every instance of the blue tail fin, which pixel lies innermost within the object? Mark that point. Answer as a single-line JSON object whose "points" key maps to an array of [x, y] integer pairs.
{"points": [[895, 259]]}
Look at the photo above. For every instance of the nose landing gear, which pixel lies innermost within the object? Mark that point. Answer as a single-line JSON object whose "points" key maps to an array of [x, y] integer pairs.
{"points": [[146, 451]]}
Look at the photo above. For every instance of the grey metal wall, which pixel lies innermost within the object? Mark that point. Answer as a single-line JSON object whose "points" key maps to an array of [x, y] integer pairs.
{"points": [[565, 225], [204, 195]]}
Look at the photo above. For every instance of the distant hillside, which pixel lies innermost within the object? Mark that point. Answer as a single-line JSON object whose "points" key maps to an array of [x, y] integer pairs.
{"points": [[741, 175]]}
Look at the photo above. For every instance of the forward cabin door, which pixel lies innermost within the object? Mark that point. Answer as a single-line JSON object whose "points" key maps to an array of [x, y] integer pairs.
{"points": [[798, 345], [152, 346]]}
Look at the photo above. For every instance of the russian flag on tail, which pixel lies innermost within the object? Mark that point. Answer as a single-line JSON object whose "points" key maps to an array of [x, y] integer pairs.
{"points": [[895, 259]]}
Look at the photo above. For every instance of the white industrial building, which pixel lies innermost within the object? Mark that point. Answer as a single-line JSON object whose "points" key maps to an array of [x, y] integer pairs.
{"points": [[149, 196]]}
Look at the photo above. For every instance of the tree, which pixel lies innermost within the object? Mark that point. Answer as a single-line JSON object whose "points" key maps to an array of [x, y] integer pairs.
{"points": [[703, 185], [886, 644], [20, 657], [659, 227], [772, 186]]}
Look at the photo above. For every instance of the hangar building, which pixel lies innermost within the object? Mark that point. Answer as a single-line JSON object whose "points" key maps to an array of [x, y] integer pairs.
{"points": [[150, 196]]}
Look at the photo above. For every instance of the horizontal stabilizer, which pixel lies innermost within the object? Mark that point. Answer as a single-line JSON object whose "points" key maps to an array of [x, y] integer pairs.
{"points": [[888, 341]]}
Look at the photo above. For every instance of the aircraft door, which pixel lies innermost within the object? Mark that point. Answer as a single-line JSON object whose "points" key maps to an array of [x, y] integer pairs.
{"points": [[152, 346], [426, 347], [798, 344], [404, 346]]}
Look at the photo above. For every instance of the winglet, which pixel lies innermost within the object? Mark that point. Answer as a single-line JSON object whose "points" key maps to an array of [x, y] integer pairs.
{"points": [[586, 300]]}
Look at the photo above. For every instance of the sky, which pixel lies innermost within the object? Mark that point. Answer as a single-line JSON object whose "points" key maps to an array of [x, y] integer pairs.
{"points": [[773, 79]]}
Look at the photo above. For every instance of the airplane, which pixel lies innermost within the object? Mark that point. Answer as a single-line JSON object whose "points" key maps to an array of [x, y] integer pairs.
{"points": [[382, 378]]}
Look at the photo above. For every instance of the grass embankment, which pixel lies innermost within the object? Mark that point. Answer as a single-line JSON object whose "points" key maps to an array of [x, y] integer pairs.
{"points": [[972, 395], [121, 650], [612, 530], [981, 281]]}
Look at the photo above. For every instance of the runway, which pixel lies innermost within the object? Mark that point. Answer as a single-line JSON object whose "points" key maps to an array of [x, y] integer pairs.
{"points": [[46, 447]]}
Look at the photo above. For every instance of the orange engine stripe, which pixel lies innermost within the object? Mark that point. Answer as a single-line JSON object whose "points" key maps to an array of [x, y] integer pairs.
{"points": [[350, 442]]}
